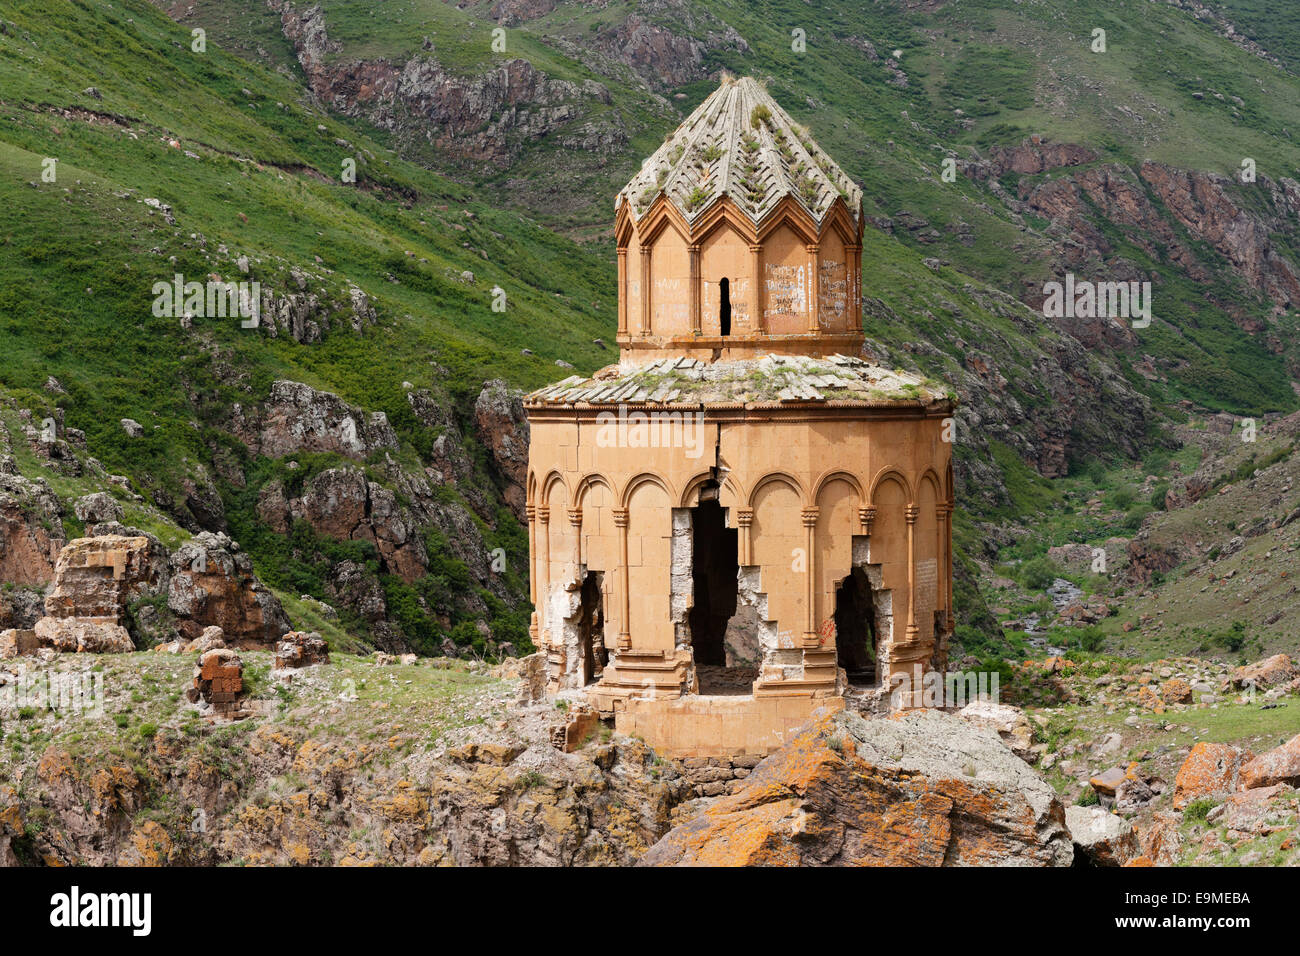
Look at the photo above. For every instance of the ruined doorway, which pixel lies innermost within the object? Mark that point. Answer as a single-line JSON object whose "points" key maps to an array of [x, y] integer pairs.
{"points": [[856, 649], [591, 623], [723, 661], [724, 309]]}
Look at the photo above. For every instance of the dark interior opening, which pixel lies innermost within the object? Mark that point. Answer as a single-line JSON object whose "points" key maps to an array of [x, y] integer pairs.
{"points": [[715, 563], [855, 628], [591, 620], [724, 313]]}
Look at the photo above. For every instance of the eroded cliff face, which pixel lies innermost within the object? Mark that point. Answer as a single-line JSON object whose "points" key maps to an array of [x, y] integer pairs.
{"points": [[485, 117], [411, 764]]}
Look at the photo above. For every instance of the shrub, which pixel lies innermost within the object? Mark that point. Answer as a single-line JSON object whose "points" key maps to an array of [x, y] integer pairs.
{"points": [[1037, 574]]}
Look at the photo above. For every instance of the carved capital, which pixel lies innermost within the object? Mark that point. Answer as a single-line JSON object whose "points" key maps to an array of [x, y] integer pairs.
{"points": [[810, 516], [620, 517], [575, 517], [912, 513], [530, 511], [744, 517], [867, 518]]}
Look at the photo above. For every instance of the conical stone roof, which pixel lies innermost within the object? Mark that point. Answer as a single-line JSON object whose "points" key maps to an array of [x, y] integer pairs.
{"points": [[739, 143]]}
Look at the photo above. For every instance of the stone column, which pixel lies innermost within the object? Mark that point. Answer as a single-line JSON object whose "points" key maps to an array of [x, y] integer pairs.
{"points": [[696, 319], [942, 513], [853, 263], [645, 290], [756, 269], [814, 319], [575, 522], [544, 561], [810, 637], [912, 513], [744, 521], [622, 291], [530, 511], [625, 634]]}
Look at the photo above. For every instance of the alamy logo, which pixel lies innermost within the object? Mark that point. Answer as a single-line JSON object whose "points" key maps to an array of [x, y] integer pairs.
{"points": [[638, 429], [73, 909], [1081, 299], [211, 300]]}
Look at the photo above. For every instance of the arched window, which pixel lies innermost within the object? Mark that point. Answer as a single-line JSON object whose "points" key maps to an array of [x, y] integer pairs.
{"points": [[724, 313]]}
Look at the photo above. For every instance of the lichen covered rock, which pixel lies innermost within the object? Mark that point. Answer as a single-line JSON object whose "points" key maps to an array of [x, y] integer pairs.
{"points": [[921, 789]]}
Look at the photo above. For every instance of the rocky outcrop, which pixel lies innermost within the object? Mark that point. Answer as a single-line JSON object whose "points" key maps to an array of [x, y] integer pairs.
{"points": [[1036, 156], [212, 584], [96, 580], [922, 789], [1200, 202], [342, 503], [297, 417], [1009, 723], [97, 508], [483, 117], [502, 428], [31, 530]]}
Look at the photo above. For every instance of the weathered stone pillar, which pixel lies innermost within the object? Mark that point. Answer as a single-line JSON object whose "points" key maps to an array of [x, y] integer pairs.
{"points": [[912, 513], [544, 562], [853, 264], [625, 632], [810, 637], [696, 318], [814, 319], [744, 521], [575, 522], [756, 268], [530, 511], [645, 290], [942, 513], [622, 291]]}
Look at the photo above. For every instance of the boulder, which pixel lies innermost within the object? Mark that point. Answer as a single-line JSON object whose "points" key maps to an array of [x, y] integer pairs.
{"points": [[1009, 723], [1279, 765], [1161, 838], [1176, 691], [213, 584], [1102, 838], [18, 642], [298, 649], [211, 639], [1262, 675], [97, 508], [1257, 811], [81, 635], [922, 789], [1210, 771]]}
